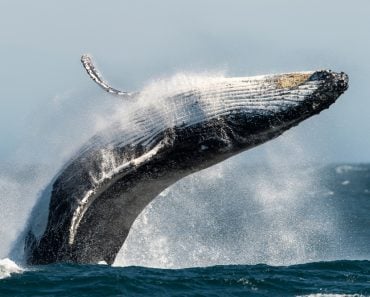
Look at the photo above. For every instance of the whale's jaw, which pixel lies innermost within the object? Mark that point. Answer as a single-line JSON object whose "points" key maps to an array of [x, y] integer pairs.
{"points": [[98, 195]]}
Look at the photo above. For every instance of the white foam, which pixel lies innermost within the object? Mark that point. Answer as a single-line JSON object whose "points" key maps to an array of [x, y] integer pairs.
{"points": [[348, 168], [8, 267], [332, 295]]}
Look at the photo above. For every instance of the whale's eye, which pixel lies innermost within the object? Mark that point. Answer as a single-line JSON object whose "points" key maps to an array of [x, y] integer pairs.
{"points": [[292, 80]]}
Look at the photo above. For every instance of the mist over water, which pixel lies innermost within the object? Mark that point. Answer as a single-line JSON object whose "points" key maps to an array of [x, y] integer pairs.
{"points": [[66, 123], [267, 205]]}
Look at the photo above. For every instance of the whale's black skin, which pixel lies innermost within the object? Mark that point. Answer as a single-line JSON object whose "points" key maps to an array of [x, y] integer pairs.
{"points": [[93, 229]]}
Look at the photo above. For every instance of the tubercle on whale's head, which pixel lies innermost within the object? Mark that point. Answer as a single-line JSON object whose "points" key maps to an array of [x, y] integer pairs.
{"points": [[328, 75], [333, 81], [329, 86]]}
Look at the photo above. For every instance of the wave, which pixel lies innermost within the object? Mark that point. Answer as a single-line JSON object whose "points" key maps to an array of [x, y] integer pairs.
{"points": [[350, 168], [8, 267], [332, 295], [337, 278]]}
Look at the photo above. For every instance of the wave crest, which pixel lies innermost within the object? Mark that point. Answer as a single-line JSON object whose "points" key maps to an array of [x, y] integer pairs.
{"points": [[8, 267]]}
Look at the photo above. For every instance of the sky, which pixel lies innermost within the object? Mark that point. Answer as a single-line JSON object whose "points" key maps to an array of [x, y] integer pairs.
{"points": [[135, 42]]}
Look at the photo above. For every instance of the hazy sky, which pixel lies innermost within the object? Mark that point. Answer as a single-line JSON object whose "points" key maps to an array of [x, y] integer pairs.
{"points": [[136, 41]]}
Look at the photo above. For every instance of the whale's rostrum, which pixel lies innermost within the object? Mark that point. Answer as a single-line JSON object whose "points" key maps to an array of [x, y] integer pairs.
{"points": [[98, 195]]}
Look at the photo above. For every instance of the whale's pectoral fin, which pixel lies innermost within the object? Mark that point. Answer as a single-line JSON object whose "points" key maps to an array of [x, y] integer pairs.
{"points": [[86, 61]]}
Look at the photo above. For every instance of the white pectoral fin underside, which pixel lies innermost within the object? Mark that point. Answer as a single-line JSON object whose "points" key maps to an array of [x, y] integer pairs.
{"points": [[91, 70]]}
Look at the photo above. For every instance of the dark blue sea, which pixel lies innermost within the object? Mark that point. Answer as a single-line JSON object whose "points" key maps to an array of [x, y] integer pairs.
{"points": [[313, 279], [311, 239]]}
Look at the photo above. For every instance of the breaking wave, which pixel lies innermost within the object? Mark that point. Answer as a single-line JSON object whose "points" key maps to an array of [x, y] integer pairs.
{"points": [[8, 267]]}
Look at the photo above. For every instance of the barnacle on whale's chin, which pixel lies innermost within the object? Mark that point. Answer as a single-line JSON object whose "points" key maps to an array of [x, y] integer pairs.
{"points": [[292, 80]]}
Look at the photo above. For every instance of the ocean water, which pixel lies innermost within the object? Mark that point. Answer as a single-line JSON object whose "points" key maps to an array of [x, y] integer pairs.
{"points": [[337, 278], [274, 231]]}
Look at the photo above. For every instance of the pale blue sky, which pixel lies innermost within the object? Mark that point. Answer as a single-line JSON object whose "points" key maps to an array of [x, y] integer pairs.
{"points": [[133, 42]]}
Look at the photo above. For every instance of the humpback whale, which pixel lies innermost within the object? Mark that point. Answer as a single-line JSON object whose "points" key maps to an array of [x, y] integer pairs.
{"points": [[96, 197]]}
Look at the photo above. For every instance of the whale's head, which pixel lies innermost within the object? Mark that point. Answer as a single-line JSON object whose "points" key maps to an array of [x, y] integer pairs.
{"points": [[245, 112]]}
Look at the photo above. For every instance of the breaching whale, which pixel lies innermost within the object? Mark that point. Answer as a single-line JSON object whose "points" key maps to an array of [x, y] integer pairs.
{"points": [[97, 196]]}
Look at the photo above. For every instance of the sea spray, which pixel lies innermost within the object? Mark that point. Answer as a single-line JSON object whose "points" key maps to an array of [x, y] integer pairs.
{"points": [[8, 267], [238, 212], [19, 187], [52, 136]]}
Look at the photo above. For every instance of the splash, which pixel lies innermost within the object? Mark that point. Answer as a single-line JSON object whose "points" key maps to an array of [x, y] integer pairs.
{"points": [[65, 123], [234, 213], [8, 267], [238, 213], [62, 126], [19, 186], [332, 295]]}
